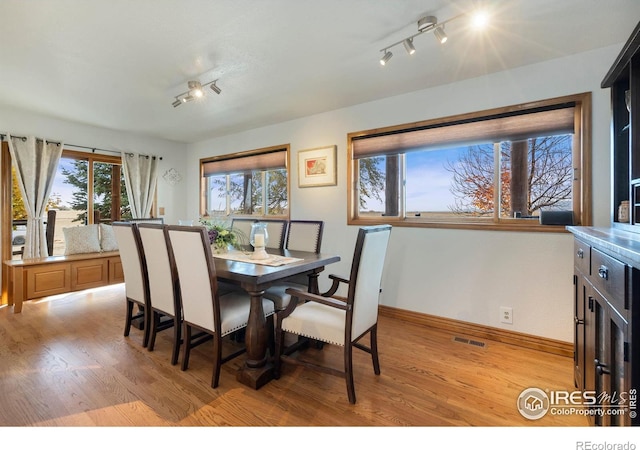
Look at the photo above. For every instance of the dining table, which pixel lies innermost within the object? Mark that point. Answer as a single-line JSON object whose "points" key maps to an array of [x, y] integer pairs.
{"points": [[254, 277]]}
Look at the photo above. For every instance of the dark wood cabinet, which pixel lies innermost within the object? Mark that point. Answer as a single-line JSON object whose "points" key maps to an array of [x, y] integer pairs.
{"points": [[607, 300], [607, 264]]}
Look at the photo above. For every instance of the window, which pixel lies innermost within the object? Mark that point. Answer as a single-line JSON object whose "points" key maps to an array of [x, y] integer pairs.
{"points": [[89, 182], [494, 169], [83, 182], [253, 183]]}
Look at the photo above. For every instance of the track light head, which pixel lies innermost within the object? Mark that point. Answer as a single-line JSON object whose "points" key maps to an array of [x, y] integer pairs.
{"points": [[177, 102], [195, 89], [215, 88], [408, 46], [385, 58], [440, 35]]}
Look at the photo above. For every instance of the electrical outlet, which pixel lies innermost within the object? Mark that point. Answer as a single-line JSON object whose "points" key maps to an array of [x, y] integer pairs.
{"points": [[506, 314]]}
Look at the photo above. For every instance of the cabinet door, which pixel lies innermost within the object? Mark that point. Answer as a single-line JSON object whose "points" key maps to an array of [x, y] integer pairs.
{"points": [[48, 279], [580, 297], [615, 369], [89, 274], [611, 366]]}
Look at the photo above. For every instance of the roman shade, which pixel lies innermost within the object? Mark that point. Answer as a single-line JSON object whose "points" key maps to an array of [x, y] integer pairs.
{"points": [[504, 127], [275, 159]]}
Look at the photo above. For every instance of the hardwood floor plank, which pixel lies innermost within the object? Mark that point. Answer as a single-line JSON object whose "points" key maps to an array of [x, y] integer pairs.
{"points": [[65, 362]]}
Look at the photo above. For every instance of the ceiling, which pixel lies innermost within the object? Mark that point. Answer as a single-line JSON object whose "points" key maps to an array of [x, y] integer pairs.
{"points": [[119, 64]]}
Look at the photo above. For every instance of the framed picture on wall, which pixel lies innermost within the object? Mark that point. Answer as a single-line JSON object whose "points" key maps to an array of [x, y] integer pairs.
{"points": [[317, 167]]}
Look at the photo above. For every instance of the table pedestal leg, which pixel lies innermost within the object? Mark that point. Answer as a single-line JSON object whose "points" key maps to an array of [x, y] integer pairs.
{"points": [[313, 283], [257, 371]]}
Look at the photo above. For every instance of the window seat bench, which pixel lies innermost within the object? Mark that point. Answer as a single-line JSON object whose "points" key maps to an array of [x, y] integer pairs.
{"points": [[29, 279]]}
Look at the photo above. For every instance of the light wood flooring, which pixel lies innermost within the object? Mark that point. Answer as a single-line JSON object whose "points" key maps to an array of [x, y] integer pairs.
{"points": [[65, 362]]}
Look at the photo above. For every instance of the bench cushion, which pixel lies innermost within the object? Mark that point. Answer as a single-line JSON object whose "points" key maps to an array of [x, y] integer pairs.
{"points": [[82, 239]]}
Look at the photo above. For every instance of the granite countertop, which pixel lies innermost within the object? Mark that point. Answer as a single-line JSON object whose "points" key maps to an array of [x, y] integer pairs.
{"points": [[620, 243]]}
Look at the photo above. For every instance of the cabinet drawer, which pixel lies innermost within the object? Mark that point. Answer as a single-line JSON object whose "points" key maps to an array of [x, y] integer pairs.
{"points": [[609, 276], [582, 256], [89, 274], [47, 280]]}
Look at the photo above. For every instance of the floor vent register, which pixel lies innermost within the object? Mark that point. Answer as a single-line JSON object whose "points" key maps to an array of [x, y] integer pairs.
{"points": [[469, 341]]}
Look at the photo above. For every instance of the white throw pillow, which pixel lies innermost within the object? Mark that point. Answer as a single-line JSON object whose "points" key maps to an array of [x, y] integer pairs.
{"points": [[82, 239], [108, 242]]}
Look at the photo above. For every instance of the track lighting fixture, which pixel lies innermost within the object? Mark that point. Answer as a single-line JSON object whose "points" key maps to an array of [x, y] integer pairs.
{"points": [[425, 25], [196, 90]]}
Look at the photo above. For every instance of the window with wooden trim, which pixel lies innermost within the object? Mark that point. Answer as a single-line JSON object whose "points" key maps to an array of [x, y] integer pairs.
{"points": [[83, 182], [497, 169], [91, 182], [252, 183]]}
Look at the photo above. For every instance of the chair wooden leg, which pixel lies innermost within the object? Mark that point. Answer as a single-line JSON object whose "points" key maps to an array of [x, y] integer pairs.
{"points": [[279, 338], [176, 341], [348, 372], [374, 350], [217, 352], [147, 327], [129, 314], [153, 330], [186, 346]]}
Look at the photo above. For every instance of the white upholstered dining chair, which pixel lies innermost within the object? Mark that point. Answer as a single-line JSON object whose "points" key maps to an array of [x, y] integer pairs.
{"points": [[135, 277], [338, 320], [276, 228], [303, 235], [164, 294], [204, 310]]}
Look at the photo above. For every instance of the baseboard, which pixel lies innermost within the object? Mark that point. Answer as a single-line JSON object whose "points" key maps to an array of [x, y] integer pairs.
{"points": [[480, 331]]}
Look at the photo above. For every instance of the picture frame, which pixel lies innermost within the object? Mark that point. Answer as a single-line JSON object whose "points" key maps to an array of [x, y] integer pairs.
{"points": [[317, 167]]}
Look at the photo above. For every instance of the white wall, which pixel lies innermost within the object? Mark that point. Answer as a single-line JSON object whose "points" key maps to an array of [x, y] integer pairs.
{"points": [[20, 123], [460, 274]]}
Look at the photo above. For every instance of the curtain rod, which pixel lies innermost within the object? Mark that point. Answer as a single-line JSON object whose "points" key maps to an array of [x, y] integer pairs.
{"points": [[93, 149]]}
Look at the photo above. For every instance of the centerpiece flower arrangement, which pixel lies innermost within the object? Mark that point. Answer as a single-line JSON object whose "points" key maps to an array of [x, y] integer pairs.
{"points": [[221, 236]]}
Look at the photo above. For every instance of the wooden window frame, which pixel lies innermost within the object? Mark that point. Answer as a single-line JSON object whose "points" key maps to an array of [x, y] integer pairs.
{"points": [[581, 160], [262, 161]]}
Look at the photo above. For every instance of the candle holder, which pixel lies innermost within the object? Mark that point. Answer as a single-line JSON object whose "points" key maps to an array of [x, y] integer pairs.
{"points": [[258, 239]]}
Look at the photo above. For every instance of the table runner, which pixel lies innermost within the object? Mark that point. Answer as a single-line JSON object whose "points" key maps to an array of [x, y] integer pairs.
{"points": [[273, 260]]}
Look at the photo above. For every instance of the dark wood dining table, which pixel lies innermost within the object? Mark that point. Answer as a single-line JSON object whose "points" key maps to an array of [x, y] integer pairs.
{"points": [[254, 279]]}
